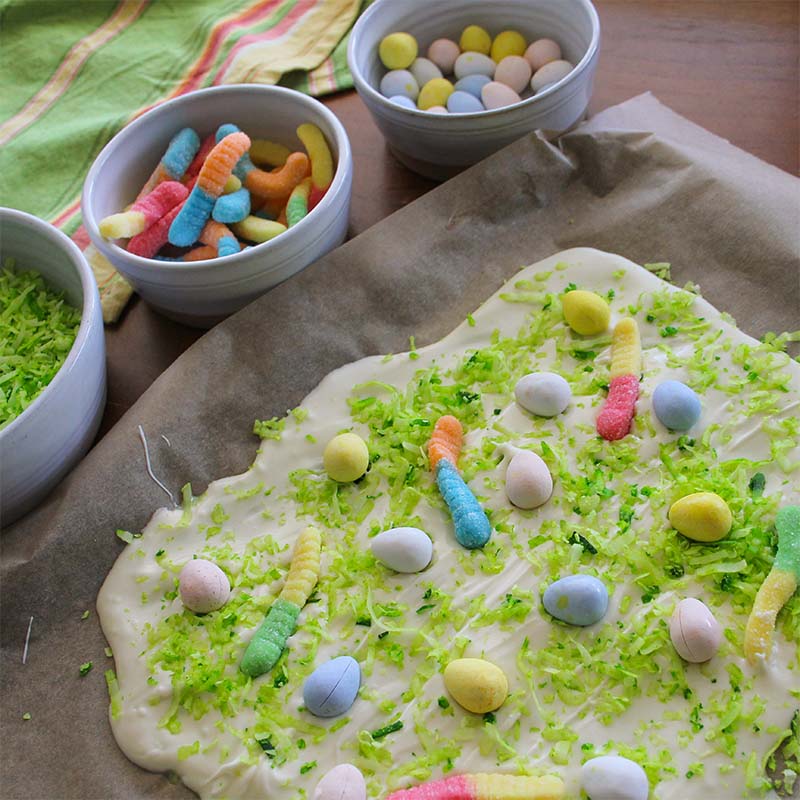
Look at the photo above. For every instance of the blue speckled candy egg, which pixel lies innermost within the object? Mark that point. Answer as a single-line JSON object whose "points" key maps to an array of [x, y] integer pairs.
{"points": [[399, 82], [463, 103], [332, 687], [577, 599], [473, 84], [676, 405], [400, 100]]}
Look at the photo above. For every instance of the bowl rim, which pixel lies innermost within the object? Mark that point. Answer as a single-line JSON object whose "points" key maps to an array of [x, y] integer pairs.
{"points": [[344, 159], [89, 310], [362, 85]]}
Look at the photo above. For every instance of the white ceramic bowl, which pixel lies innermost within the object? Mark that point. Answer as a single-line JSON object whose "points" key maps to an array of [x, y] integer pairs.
{"points": [[203, 292], [438, 146], [42, 444]]}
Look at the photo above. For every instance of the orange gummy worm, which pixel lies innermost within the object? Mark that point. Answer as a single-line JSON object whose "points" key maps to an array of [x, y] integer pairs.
{"points": [[445, 441], [201, 253], [281, 181], [220, 163], [213, 232]]}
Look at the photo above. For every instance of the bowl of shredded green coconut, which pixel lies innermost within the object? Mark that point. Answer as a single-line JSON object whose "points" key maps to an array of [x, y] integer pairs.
{"points": [[52, 360]]}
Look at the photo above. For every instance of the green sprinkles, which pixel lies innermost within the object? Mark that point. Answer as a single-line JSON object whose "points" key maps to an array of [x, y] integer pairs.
{"points": [[85, 669]]}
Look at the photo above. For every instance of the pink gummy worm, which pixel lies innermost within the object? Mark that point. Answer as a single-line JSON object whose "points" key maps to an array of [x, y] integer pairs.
{"points": [[161, 200], [147, 244], [197, 163], [614, 421], [459, 787]]}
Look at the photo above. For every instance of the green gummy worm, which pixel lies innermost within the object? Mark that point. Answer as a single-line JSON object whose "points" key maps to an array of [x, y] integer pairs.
{"points": [[296, 209], [787, 523], [269, 640]]}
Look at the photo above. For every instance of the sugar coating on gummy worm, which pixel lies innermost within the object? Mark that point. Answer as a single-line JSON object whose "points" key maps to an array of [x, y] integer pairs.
{"points": [[175, 162], [484, 786], [321, 162], [269, 641], [615, 418], [472, 527], [297, 205], [145, 211]]}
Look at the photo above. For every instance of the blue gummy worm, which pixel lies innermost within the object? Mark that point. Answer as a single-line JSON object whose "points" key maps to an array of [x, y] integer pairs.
{"points": [[182, 149], [227, 246], [244, 164], [233, 207], [471, 523], [186, 227]]}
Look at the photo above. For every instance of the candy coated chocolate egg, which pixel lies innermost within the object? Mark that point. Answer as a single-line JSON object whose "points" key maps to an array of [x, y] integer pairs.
{"points": [[471, 63], [203, 586], [475, 39], [443, 53], [437, 110], [694, 631], [676, 405], [463, 103], [343, 782], [543, 393], [473, 84], [346, 457], [424, 70], [399, 100], [542, 52], [514, 72], [332, 687], [399, 82], [435, 93], [476, 685], [550, 73], [498, 95], [614, 778], [586, 312], [403, 549], [702, 516], [528, 480], [398, 50], [577, 599], [508, 43]]}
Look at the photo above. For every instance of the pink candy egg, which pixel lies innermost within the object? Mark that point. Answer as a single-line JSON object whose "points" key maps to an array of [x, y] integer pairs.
{"points": [[542, 52], [498, 95], [694, 631], [514, 72], [437, 110], [443, 53], [203, 586], [550, 73]]}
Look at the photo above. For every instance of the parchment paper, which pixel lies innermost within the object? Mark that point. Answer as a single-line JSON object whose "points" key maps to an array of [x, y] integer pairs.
{"points": [[637, 180]]}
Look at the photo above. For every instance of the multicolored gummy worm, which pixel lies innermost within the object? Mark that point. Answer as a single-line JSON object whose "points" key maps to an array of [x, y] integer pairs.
{"points": [[269, 641], [297, 206], [778, 586], [485, 787], [145, 212], [472, 527], [321, 162], [175, 162], [615, 418]]}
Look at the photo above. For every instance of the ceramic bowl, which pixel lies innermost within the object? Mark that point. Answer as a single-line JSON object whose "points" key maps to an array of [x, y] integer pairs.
{"points": [[201, 293], [54, 432], [438, 146]]}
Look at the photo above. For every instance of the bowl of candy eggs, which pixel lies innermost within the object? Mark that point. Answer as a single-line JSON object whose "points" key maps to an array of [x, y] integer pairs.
{"points": [[209, 200], [448, 83], [52, 360]]}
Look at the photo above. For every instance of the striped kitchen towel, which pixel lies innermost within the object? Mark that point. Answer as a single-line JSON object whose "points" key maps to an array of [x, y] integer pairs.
{"points": [[74, 73]]}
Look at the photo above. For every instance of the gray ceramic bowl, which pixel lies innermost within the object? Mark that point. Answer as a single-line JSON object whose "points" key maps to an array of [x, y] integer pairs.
{"points": [[42, 444]]}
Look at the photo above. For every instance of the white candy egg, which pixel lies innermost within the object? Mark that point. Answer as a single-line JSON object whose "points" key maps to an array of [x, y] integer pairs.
{"points": [[552, 72], [543, 393], [343, 782], [694, 631], [400, 82], [474, 64], [424, 70], [203, 586], [614, 778], [528, 480], [403, 549]]}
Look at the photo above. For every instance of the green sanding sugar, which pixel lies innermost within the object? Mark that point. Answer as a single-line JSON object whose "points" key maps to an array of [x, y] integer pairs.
{"points": [[37, 329]]}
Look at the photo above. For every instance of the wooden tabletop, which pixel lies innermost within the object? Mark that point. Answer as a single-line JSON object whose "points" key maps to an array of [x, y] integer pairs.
{"points": [[728, 65]]}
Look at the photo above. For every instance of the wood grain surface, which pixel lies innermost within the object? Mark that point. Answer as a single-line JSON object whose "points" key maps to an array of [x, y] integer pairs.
{"points": [[728, 65]]}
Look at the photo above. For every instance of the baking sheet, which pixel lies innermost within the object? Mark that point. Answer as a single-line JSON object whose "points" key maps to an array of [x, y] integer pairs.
{"points": [[637, 180]]}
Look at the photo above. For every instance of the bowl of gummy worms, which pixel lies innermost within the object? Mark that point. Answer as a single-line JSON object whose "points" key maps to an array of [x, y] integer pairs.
{"points": [[209, 200]]}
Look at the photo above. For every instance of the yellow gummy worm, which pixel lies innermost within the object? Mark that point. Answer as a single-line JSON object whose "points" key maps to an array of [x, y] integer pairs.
{"points": [[775, 592], [319, 153], [304, 569], [258, 230], [511, 787], [233, 184], [266, 153], [626, 349]]}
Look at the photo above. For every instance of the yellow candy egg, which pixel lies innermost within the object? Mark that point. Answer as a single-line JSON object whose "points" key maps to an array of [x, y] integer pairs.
{"points": [[398, 50], [586, 312], [346, 457], [476, 685], [508, 43], [702, 516], [435, 93], [476, 40]]}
